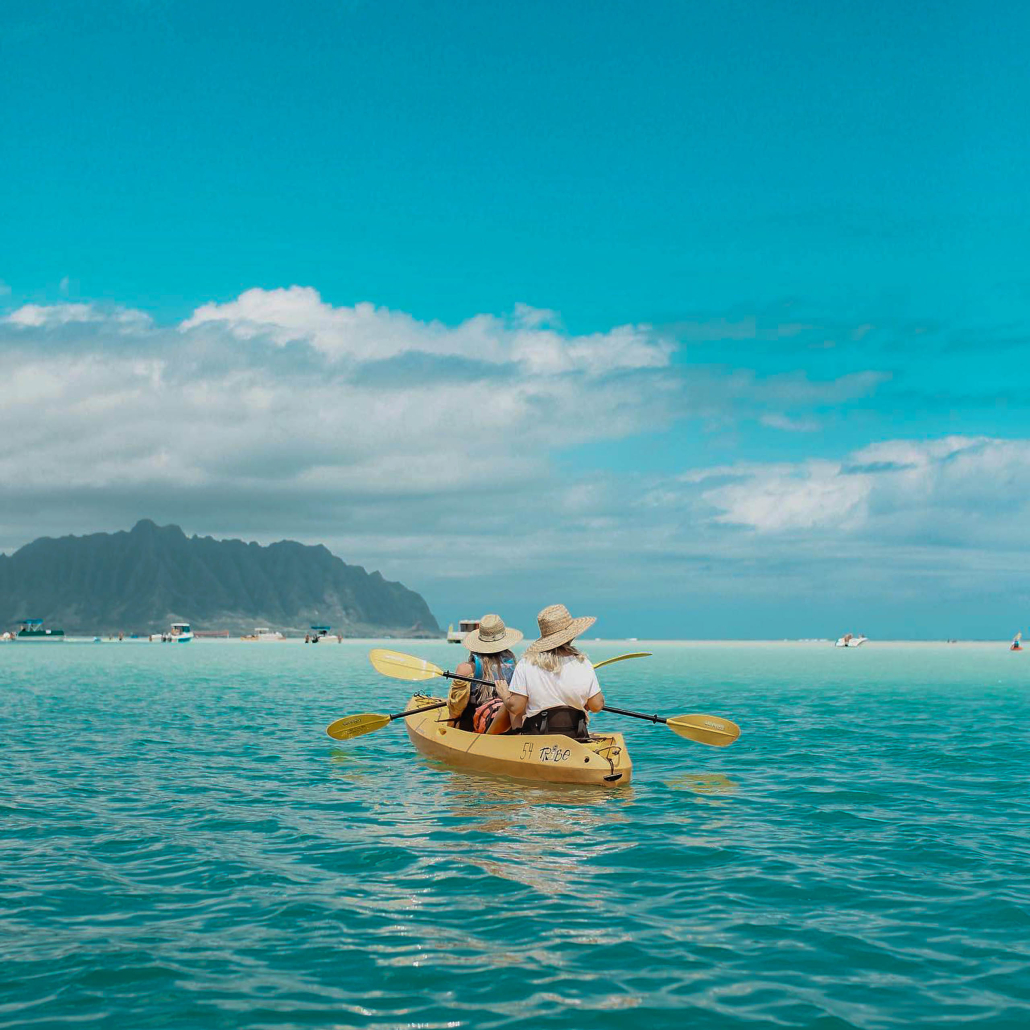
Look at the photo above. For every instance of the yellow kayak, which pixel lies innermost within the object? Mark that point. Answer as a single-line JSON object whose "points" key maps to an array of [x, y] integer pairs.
{"points": [[547, 757]]}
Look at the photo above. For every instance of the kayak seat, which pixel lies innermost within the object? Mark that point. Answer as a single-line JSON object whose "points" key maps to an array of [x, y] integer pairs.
{"points": [[569, 722], [466, 720]]}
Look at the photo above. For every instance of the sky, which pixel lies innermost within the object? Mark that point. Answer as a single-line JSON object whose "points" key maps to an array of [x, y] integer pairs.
{"points": [[710, 319]]}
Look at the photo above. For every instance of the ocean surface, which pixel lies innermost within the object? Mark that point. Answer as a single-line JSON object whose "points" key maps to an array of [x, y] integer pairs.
{"points": [[182, 846]]}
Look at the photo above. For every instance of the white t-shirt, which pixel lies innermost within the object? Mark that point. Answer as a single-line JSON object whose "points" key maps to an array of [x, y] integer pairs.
{"points": [[572, 686]]}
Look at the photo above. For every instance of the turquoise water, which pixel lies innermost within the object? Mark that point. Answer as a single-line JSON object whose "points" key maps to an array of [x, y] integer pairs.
{"points": [[183, 847]]}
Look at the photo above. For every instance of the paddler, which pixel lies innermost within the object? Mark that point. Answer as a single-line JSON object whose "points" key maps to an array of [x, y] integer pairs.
{"points": [[490, 658], [554, 685]]}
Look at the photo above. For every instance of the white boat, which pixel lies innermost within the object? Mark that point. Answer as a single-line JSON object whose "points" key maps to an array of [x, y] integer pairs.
{"points": [[850, 640], [180, 633], [455, 636], [263, 634]]}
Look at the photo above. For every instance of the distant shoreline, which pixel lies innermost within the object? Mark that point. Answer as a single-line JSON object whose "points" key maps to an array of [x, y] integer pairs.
{"points": [[586, 645]]}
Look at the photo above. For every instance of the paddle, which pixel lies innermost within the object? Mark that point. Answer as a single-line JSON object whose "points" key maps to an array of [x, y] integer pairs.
{"points": [[623, 657], [351, 726], [703, 729], [408, 667]]}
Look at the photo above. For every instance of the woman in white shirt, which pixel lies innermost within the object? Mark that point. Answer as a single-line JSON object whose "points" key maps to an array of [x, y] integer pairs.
{"points": [[554, 685]]}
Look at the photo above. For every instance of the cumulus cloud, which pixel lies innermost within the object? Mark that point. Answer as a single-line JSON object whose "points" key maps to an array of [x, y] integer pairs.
{"points": [[49, 316], [365, 332], [339, 423], [279, 392], [969, 490], [437, 451]]}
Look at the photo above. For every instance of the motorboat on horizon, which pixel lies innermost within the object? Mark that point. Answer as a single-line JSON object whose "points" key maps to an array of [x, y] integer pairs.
{"points": [[180, 633], [265, 635], [321, 634], [33, 632], [851, 640]]}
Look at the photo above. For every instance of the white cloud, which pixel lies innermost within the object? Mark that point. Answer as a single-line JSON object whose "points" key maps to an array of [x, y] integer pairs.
{"points": [[967, 489], [301, 406], [365, 333], [435, 452], [54, 316], [37, 315], [814, 496], [790, 425]]}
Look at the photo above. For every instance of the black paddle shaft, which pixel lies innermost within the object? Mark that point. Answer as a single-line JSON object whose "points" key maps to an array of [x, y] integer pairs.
{"points": [[468, 679], [607, 708], [415, 711], [635, 715], [439, 704]]}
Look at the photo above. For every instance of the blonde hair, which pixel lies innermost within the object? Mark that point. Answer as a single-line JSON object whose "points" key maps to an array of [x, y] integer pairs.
{"points": [[492, 662], [552, 661]]}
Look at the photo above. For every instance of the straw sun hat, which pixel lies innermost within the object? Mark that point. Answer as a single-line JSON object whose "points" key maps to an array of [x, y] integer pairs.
{"points": [[491, 637], [558, 627]]}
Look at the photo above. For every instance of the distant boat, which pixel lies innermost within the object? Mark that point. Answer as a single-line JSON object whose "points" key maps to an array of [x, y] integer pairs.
{"points": [[1016, 645], [850, 640], [265, 635], [464, 626], [180, 633], [32, 632], [320, 634]]}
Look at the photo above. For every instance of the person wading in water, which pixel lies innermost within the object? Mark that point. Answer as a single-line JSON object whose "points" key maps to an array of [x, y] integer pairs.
{"points": [[554, 685]]}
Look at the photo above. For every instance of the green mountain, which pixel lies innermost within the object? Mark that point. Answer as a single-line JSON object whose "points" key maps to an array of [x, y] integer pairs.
{"points": [[143, 580]]}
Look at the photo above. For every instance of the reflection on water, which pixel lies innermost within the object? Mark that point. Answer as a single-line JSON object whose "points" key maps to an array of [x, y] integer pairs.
{"points": [[703, 783], [351, 765], [539, 835], [233, 859], [495, 794]]}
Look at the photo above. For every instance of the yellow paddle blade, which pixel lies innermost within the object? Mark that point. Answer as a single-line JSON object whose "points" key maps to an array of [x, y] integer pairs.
{"points": [[355, 725], [705, 729], [402, 666], [623, 657]]}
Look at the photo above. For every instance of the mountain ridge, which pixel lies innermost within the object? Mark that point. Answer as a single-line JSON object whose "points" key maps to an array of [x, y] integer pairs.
{"points": [[141, 580]]}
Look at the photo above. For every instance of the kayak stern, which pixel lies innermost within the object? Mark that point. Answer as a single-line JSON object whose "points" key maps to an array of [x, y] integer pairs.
{"points": [[547, 757]]}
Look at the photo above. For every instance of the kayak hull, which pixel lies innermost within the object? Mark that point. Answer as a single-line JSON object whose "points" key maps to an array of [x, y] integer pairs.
{"points": [[546, 757]]}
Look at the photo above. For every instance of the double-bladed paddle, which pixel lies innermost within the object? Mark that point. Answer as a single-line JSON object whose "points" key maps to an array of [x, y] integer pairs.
{"points": [[368, 722], [408, 667], [703, 729]]}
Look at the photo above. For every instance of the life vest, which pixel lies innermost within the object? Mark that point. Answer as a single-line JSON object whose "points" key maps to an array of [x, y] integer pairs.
{"points": [[480, 696], [485, 714]]}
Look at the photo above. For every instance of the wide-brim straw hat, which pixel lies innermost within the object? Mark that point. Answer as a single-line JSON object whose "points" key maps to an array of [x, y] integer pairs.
{"points": [[558, 627], [491, 637]]}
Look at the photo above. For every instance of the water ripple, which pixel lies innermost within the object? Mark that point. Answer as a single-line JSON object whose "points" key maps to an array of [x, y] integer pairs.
{"points": [[182, 847]]}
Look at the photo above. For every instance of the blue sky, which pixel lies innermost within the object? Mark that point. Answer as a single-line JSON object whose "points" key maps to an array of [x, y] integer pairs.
{"points": [[814, 218]]}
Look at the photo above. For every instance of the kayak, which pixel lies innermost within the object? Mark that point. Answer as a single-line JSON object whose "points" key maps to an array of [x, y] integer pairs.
{"points": [[547, 757]]}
